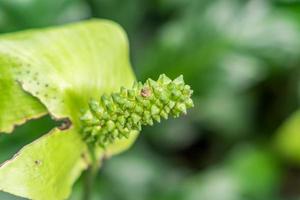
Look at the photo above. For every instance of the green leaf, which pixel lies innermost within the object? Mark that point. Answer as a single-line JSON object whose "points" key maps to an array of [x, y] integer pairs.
{"points": [[65, 67], [58, 70], [287, 140], [16, 106], [46, 168]]}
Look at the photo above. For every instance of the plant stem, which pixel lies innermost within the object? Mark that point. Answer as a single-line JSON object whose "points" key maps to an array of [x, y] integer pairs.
{"points": [[88, 183], [89, 176]]}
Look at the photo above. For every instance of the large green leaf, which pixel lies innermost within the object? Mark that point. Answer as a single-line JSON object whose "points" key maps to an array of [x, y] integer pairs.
{"points": [[65, 67], [45, 169], [58, 70]]}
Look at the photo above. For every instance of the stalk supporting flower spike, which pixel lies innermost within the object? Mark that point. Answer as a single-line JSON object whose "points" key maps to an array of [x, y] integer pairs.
{"points": [[118, 114]]}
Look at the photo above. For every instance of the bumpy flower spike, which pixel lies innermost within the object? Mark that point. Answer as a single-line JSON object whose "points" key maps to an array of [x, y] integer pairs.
{"points": [[115, 116]]}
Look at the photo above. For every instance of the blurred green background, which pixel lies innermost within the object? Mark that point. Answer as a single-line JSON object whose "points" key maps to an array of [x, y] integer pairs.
{"points": [[241, 57]]}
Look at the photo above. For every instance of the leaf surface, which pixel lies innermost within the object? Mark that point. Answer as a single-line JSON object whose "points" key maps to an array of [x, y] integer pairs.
{"points": [[46, 168], [57, 71], [16, 106]]}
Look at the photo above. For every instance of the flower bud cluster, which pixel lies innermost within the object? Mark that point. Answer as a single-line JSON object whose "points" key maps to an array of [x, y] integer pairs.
{"points": [[118, 114]]}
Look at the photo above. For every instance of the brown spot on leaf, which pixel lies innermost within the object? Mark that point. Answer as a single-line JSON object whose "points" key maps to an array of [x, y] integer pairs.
{"points": [[66, 124], [37, 162]]}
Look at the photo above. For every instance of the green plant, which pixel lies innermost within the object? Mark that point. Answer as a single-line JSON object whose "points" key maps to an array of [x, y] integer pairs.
{"points": [[62, 72]]}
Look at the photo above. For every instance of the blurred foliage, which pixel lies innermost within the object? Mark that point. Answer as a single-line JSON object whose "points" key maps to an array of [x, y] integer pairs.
{"points": [[241, 58], [213, 45], [23, 14], [287, 139]]}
